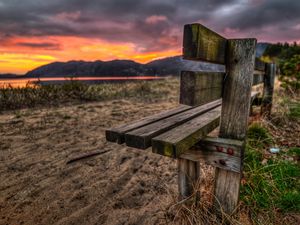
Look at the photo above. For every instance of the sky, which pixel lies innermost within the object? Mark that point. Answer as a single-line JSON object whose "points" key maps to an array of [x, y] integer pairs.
{"points": [[37, 32]]}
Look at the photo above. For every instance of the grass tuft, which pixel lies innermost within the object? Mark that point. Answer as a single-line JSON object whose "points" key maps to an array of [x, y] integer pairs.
{"points": [[271, 183], [76, 91], [294, 110], [294, 151], [258, 136]]}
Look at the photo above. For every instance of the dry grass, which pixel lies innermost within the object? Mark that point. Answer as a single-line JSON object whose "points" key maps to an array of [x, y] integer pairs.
{"points": [[284, 124], [77, 92]]}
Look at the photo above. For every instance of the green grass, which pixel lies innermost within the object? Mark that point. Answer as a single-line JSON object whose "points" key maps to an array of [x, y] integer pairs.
{"points": [[291, 108], [294, 110], [258, 136], [294, 151], [272, 183]]}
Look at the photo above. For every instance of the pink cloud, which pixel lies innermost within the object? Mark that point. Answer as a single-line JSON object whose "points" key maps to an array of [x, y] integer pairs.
{"points": [[68, 15], [156, 19]]}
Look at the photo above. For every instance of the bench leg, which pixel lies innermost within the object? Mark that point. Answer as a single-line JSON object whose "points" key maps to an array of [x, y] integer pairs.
{"points": [[235, 114], [227, 189], [269, 81], [188, 175]]}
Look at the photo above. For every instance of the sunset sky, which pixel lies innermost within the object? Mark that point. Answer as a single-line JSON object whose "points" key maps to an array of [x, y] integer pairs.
{"points": [[37, 32]]}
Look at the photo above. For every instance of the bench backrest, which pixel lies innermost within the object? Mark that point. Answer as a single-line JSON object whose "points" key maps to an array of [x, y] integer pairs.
{"points": [[202, 44]]}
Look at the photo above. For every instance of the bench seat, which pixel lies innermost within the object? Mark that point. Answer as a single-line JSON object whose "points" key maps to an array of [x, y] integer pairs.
{"points": [[172, 132]]}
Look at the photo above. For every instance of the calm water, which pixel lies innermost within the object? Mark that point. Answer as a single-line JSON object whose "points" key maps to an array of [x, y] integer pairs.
{"points": [[22, 82]]}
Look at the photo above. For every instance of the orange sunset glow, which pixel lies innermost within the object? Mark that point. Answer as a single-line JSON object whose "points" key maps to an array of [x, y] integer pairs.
{"points": [[15, 58], [35, 33]]}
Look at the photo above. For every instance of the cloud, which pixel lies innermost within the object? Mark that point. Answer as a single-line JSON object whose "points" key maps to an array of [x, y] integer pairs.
{"points": [[264, 19], [138, 21], [151, 25], [155, 19], [264, 14], [43, 45]]}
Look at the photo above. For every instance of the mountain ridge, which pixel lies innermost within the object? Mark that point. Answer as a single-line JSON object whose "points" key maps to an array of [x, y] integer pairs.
{"points": [[160, 67]]}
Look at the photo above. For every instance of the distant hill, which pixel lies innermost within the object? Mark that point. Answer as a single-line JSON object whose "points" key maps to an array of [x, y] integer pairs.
{"points": [[161, 67], [8, 75], [261, 48]]}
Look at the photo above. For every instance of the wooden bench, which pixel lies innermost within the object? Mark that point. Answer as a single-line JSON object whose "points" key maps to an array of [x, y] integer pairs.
{"points": [[208, 100]]}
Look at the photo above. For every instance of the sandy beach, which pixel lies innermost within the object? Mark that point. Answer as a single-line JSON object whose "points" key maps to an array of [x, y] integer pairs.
{"points": [[120, 186]]}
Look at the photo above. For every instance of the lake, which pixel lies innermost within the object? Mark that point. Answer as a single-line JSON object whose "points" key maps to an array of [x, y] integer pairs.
{"points": [[23, 82]]}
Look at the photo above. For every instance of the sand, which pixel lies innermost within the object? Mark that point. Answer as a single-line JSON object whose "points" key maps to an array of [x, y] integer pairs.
{"points": [[121, 186]]}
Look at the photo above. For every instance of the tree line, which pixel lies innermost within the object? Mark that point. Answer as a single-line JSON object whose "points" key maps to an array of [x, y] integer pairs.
{"points": [[287, 56]]}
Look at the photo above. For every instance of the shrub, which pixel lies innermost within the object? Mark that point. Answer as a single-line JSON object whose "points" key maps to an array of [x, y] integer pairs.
{"points": [[291, 73]]}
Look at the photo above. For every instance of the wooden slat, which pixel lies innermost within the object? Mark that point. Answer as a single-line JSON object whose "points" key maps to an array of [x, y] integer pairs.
{"points": [[218, 152], [201, 43], [257, 79], [180, 139], [117, 134], [227, 146], [198, 88], [161, 149], [259, 65], [141, 137], [216, 159]]}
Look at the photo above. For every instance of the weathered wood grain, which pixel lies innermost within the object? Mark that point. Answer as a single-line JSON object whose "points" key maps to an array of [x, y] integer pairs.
{"points": [[180, 139], [237, 88], [267, 98], [218, 152], [222, 145], [201, 43], [213, 158], [117, 134], [141, 137], [198, 88], [188, 176], [235, 111]]}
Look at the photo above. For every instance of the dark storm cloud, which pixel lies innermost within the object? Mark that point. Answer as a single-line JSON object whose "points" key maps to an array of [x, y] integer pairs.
{"points": [[265, 13], [42, 45], [150, 24]]}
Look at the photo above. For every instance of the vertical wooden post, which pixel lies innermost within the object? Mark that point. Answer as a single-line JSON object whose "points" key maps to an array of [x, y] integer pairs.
{"points": [[188, 175], [269, 79], [240, 56]]}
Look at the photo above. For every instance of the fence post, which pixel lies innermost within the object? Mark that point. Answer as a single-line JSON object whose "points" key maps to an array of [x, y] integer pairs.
{"points": [[234, 117], [269, 79], [188, 175]]}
